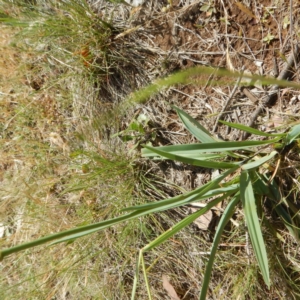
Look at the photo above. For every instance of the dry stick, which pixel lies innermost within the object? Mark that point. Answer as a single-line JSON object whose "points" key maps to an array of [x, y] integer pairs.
{"points": [[291, 28], [228, 101], [285, 74], [252, 97]]}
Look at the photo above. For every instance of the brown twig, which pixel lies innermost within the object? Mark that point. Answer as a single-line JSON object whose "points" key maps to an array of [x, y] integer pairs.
{"points": [[286, 74]]}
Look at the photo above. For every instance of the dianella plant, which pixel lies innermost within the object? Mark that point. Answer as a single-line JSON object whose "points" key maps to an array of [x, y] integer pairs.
{"points": [[248, 178]]}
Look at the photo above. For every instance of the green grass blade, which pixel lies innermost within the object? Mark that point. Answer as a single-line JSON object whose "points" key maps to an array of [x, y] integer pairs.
{"points": [[146, 278], [292, 134], [136, 277], [70, 234], [192, 161], [262, 186], [197, 149], [266, 187], [250, 129], [185, 222], [287, 220], [254, 229], [196, 129], [76, 236], [157, 207], [193, 154], [227, 214], [187, 198], [259, 162], [275, 195]]}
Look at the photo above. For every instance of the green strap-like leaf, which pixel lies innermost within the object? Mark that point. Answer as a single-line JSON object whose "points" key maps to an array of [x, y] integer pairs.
{"points": [[192, 161], [227, 214], [137, 271], [261, 186], [254, 229], [188, 198], [255, 164], [180, 225], [192, 150], [196, 129], [293, 134], [70, 234], [271, 190], [250, 129]]}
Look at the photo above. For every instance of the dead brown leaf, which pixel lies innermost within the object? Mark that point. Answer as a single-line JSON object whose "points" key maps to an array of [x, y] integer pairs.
{"points": [[169, 288], [245, 10], [204, 220]]}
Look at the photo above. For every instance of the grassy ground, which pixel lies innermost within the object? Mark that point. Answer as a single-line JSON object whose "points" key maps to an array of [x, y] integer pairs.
{"points": [[62, 77]]}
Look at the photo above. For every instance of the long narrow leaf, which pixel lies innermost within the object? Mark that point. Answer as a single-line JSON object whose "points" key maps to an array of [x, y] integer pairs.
{"points": [[259, 162], [70, 234], [192, 161], [250, 129], [194, 154], [248, 201], [194, 149], [227, 214], [180, 225], [262, 186], [275, 195], [188, 198], [202, 156], [293, 134], [136, 277], [196, 129], [287, 220], [146, 278]]}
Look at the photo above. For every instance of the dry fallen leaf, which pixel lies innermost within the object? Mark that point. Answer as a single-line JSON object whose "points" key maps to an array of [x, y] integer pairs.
{"points": [[169, 288], [245, 10], [229, 63], [204, 220]]}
